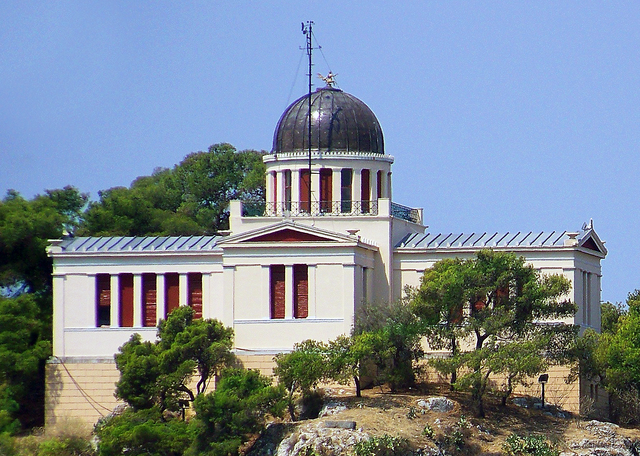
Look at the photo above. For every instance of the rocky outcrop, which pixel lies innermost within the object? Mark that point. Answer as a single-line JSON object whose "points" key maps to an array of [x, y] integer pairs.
{"points": [[437, 404], [326, 440], [605, 442]]}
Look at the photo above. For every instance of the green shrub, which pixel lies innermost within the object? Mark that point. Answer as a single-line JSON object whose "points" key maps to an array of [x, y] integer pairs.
{"points": [[301, 370], [385, 445], [7, 444], [75, 446], [142, 432], [311, 405], [455, 439], [428, 431], [237, 408], [530, 445]]}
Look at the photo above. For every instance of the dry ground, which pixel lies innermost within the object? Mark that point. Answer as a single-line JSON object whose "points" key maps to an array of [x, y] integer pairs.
{"points": [[379, 412]]}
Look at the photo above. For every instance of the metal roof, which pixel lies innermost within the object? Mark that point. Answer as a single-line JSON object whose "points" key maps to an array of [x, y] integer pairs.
{"points": [[139, 244], [340, 122], [488, 239]]}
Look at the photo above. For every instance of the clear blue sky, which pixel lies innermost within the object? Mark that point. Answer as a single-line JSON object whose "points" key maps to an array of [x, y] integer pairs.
{"points": [[502, 116]]}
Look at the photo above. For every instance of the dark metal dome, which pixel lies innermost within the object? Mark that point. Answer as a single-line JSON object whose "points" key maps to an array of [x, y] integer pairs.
{"points": [[339, 123]]}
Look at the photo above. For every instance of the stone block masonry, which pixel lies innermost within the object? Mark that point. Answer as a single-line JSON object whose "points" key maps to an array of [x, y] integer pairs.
{"points": [[80, 388]]}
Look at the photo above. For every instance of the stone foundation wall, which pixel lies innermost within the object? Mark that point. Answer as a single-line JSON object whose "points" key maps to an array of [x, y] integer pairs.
{"points": [[579, 396], [84, 389], [81, 389], [263, 363]]}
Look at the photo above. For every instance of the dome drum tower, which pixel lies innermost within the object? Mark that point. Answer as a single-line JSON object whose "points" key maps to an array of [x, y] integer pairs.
{"points": [[349, 170]]}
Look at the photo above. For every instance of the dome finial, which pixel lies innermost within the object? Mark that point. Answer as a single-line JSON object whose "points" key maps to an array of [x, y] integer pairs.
{"points": [[329, 79]]}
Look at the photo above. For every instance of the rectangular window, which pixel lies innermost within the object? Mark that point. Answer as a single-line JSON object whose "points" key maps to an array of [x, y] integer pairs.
{"points": [[364, 190], [103, 300], [277, 291], [305, 190], [379, 184], [149, 300], [345, 190], [326, 184], [126, 300], [171, 292], [300, 291], [287, 189], [195, 293], [275, 187]]}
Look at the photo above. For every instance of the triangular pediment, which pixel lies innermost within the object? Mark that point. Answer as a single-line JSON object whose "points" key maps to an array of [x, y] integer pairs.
{"points": [[591, 241], [288, 235], [289, 232]]}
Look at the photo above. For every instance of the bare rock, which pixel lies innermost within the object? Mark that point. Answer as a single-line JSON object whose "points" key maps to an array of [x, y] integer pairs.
{"points": [[606, 441], [323, 440], [437, 404], [331, 408]]}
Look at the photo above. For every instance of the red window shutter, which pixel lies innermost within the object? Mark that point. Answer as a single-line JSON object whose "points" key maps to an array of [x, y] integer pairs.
{"points": [[326, 190], [277, 291], [364, 190], [300, 291], [305, 190], [379, 184], [171, 292], [275, 187], [126, 300], [195, 293], [149, 300]]}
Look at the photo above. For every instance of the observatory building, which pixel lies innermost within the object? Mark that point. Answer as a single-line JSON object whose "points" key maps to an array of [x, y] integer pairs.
{"points": [[296, 266]]}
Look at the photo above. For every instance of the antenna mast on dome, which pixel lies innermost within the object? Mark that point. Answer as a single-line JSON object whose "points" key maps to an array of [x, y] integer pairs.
{"points": [[307, 30]]}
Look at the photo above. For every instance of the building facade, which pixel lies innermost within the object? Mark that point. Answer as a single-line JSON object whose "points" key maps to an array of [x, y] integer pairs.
{"points": [[296, 266]]}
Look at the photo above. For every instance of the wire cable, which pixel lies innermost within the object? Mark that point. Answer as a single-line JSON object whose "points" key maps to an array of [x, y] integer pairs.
{"points": [[324, 57], [83, 393], [295, 78]]}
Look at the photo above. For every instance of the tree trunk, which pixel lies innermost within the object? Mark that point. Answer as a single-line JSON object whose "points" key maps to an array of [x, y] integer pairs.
{"points": [[478, 403], [356, 380], [507, 393], [454, 352], [292, 410]]}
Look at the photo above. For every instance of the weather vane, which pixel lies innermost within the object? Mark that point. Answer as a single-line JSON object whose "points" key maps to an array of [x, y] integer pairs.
{"points": [[329, 79]]}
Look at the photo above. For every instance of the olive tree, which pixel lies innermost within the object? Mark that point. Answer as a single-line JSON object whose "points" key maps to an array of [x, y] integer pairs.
{"points": [[501, 308]]}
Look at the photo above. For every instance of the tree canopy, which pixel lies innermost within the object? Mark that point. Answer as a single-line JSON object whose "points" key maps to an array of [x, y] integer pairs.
{"points": [[191, 198], [25, 297], [614, 356], [488, 311], [159, 373], [25, 228]]}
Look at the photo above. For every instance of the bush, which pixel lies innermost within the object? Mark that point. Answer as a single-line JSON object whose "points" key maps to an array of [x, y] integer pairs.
{"points": [[530, 445], [455, 439], [237, 408], [428, 431], [302, 369], [7, 444], [72, 446], [311, 405], [391, 335], [142, 432], [385, 445]]}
